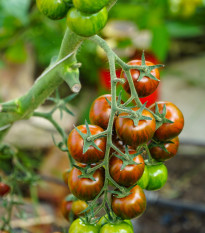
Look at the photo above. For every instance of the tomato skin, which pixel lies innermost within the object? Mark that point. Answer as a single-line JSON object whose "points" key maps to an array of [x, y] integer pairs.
{"points": [[130, 174], [144, 180], [100, 111], [169, 131], [78, 206], [131, 206], [90, 6], [78, 226], [121, 227], [75, 145], [160, 155], [104, 221], [135, 135], [4, 189], [53, 9], [84, 24], [157, 176], [85, 188], [146, 85]]}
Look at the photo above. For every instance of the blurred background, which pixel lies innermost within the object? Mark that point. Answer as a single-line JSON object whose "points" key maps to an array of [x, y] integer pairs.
{"points": [[171, 32]]}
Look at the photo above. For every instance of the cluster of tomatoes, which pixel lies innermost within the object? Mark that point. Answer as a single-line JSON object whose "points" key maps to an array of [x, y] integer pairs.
{"points": [[84, 17], [136, 131]]}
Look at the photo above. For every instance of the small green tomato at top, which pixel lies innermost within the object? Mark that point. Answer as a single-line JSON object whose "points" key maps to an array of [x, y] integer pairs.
{"points": [[85, 24], [53, 9], [90, 6]]}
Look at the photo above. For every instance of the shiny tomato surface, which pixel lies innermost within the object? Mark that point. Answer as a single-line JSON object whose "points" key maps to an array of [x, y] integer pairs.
{"points": [[169, 131], [135, 135], [161, 155], [85, 188], [146, 85], [75, 145], [100, 111], [131, 206], [130, 174]]}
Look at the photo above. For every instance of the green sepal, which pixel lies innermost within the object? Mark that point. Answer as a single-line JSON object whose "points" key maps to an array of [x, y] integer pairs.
{"points": [[162, 116], [160, 144], [146, 70], [70, 197], [87, 143], [84, 172]]}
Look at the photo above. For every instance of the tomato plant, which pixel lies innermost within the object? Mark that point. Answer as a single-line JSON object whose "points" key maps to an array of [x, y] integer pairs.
{"points": [[131, 206], [86, 188], [134, 135], [146, 85], [76, 143], [123, 134]]}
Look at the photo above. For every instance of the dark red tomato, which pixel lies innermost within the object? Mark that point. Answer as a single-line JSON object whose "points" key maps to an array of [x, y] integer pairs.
{"points": [[130, 174], [135, 135], [4, 189], [100, 111], [146, 85], [168, 131], [75, 145], [131, 206], [66, 208], [161, 155], [85, 188], [78, 206]]}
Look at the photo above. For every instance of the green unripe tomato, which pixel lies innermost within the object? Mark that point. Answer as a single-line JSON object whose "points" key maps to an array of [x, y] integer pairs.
{"points": [[53, 9], [78, 226], [90, 6], [104, 221], [157, 176], [144, 180], [121, 227], [85, 24]]}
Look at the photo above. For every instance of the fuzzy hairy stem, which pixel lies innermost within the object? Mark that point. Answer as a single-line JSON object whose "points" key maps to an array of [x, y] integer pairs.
{"points": [[44, 86]]}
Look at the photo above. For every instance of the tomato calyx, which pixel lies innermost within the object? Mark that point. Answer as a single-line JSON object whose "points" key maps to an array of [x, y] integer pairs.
{"points": [[122, 193], [85, 173], [162, 116], [136, 116], [127, 158], [87, 139], [160, 144], [145, 70], [70, 197]]}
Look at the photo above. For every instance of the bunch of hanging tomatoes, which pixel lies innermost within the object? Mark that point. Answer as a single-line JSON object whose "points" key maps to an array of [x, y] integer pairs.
{"points": [[161, 138]]}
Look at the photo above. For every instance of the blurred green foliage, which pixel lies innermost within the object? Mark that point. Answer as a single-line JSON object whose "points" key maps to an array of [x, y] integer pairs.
{"points": [[22, 25]]}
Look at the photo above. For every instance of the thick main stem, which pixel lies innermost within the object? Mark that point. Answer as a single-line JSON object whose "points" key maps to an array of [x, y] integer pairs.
{"points": [[44, 86]]}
